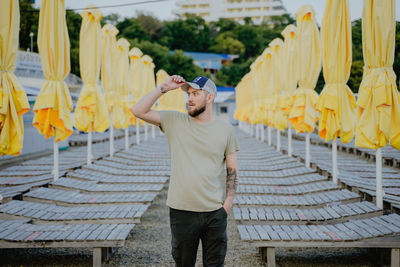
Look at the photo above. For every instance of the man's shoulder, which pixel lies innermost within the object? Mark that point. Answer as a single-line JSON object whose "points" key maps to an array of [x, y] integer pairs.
{"points": [[224, 124], [172, 114]]}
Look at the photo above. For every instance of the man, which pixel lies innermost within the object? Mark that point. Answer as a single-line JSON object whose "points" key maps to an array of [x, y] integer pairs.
{"points": [[200, 194]]}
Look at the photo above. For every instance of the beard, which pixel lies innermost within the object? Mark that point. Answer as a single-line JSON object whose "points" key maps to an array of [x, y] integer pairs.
{"points": [[197, 112]]}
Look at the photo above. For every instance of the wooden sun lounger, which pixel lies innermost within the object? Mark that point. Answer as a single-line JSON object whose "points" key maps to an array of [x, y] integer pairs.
{"points": [[100, 237], [288, 181], [126, 161], [310, 200], [276, 174], [326, 214], [115, 179], [95, 187], [71, 198], [287, 190], [137, 167], [377, 232], [265, 167], [50, 213], [114, 171]]}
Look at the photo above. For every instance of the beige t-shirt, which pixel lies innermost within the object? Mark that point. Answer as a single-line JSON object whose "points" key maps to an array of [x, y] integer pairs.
{"points": [[197, 151]]}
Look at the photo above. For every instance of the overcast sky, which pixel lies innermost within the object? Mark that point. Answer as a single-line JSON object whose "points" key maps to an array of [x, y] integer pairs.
{"points": [[163, 9]]}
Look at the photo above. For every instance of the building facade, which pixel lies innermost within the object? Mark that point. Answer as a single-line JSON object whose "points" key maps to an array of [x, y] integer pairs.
{"points": [[238, 10]]}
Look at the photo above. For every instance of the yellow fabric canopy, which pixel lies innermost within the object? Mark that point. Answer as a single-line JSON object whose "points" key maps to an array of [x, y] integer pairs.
{"points": [[378, 113], [267, 74], [279, 121], [91, 112], [135, 76], [290, 69], [13, 100], [304, 115], [108, 48], [148, 75], [53, 104], [173, 100], [336, 103], [123, 87]]}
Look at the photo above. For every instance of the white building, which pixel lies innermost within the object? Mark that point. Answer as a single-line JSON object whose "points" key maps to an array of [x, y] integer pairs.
{"points": [[212, 10]]}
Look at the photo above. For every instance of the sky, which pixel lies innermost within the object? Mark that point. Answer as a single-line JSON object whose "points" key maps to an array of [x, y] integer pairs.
{"points": [[163, 9]]}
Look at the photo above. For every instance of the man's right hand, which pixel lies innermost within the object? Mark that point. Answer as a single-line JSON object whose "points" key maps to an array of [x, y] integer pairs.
{"points": [[173, 82]]}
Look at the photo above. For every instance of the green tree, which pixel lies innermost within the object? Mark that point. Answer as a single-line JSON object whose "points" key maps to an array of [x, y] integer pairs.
{"points": [[130, 28], [180, 64], [356, 75], [225, 44], [231, 76], [157, 52], [29, 22], [154, 27], [189, 34], [113, 19], [74, 21]]}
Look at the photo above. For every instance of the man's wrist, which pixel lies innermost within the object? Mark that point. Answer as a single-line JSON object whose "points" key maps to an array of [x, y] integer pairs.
{"points": [[162, 89]]}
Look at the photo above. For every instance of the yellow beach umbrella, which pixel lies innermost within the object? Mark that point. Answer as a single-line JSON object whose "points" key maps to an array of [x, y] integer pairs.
{"points": [[91, 110], [173, 100], [13, 100], [135, 75], [278, 121], [53, 104], [267, 85], [336, 103], [123, 87], [378, 99], [290, 75], [148, 82], [304, 115], [289, 67], [108, 51], [378, 113]]}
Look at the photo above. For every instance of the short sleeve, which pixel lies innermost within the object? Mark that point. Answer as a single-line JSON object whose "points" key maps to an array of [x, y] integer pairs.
{"points": [[167, 120], [232, 143]]}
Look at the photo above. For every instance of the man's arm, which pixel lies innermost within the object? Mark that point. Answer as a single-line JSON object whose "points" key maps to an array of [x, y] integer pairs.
{"points": [[142, 109], [232, 180]]}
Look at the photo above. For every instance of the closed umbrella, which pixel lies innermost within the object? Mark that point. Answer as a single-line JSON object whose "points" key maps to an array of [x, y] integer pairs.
{"points": [[123, 87], [13, 100], [136, 80], [378, 113], [267, 85], [336, 103], [53, 104], [304, 115], [279, 121], [148, 82], [108, 47], [290, 75], [91, 111]]}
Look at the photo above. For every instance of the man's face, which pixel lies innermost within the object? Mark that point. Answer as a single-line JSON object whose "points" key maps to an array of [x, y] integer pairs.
{"points": [[197, 101]]}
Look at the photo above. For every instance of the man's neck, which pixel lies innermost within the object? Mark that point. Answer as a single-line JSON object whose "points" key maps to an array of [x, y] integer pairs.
{"points": [[205, 117]]}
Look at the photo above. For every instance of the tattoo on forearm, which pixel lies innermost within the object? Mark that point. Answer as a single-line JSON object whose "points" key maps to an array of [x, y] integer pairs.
{"points": [[231, 181]]}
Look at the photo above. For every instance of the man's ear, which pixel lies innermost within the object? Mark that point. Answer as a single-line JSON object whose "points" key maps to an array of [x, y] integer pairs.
{"points": [[210, 98]]}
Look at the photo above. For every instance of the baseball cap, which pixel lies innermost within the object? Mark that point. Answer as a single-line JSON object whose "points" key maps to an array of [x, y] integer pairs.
{"points": [[201, 83]]}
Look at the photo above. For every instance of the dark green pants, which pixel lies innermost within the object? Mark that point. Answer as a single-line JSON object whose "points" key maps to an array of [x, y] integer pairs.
{"points": [[188, 228]]}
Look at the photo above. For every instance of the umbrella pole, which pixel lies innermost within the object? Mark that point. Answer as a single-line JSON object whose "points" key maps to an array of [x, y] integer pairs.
{"points": [[290, 140], [334, 162], [257, 128], [146, 134], [111, 136], [379, 190], [137, 132], [278, 140], [55, 170], [262, 133], [126, 138], [269, 135], [89, 146], [308, 150], [153, 131]]}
